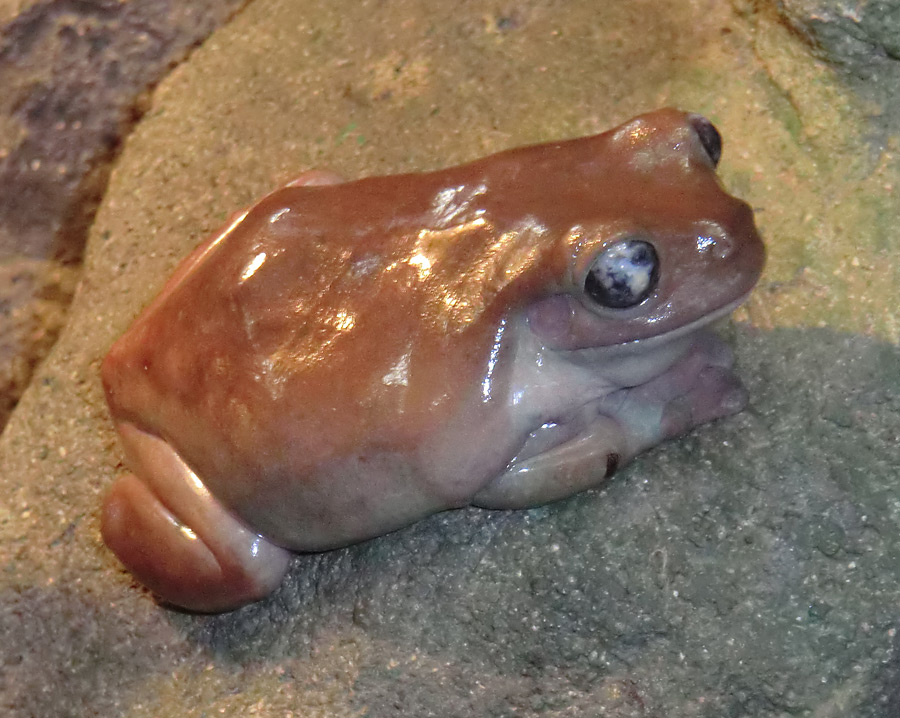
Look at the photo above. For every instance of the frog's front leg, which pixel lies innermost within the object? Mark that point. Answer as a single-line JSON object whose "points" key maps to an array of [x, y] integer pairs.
{"points": [[177, 539], [698, 388]]}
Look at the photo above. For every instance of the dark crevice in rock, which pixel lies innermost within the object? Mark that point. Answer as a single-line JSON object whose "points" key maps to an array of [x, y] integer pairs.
{"points": [[76, 76]]}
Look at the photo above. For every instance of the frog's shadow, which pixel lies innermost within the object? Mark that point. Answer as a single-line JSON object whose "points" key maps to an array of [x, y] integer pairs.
{"points": [[457, 578]]}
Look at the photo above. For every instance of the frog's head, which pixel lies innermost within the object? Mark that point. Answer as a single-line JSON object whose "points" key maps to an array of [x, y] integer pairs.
{"points": [[650, 245]]}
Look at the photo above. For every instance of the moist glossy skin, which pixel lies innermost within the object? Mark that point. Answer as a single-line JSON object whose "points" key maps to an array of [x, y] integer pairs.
{"points": [[346, 358]]}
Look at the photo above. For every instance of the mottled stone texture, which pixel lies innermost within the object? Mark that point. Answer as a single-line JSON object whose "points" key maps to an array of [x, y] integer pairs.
{"points": [[75, 76], [748, 571], [860, 38], [34, 302]]}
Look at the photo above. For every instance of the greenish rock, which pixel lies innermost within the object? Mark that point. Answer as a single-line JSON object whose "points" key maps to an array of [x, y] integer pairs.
{"points": [[860, 38]]}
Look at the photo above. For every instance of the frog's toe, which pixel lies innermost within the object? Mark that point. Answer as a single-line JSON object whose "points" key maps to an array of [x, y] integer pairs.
{"points": [[717, 393]]}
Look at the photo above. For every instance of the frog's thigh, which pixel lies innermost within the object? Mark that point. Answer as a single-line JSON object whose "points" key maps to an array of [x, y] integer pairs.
{"points": [[578, 464], [177, 539]]}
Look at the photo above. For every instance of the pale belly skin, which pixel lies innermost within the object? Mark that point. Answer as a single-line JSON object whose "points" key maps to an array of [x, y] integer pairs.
{"points": [[345, 359]]}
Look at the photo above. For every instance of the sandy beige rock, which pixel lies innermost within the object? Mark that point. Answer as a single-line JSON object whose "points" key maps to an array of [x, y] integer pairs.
{"points": [[749, 570]]}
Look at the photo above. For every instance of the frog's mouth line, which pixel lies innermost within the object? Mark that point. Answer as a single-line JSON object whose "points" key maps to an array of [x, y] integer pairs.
{"points": [[589, 354]]}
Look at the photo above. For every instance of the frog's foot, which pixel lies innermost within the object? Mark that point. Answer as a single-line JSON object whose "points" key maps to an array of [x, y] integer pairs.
{"points": [[698, 388], [178, 540]]}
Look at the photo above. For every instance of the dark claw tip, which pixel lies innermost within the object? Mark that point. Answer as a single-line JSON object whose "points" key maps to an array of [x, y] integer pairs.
{"points": [[612, 463]]}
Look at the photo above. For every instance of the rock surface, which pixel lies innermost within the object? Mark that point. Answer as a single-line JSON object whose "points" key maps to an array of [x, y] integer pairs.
{"points": [[860, 38], [75, 78], [750, 569]]}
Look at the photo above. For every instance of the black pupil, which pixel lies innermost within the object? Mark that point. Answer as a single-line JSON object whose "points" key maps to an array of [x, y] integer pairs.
{"points": [[623, 275]]}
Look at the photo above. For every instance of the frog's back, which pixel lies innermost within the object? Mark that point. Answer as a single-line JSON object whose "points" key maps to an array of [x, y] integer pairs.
{"points": [[300, 332]]}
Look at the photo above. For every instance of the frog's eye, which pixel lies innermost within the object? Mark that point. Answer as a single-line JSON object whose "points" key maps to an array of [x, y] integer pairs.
{"points": [[623, 275], [709, 137]]}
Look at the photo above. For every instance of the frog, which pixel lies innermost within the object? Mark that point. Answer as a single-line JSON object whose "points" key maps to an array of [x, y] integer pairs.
{"points": [[345, 358]]}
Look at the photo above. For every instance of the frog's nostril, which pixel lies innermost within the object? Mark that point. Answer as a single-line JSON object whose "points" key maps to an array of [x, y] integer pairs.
{"points": [[716, 245], [709, 137]]}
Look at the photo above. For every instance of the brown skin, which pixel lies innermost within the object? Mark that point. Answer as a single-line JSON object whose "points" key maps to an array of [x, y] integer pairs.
{"points": [[321, 366]]}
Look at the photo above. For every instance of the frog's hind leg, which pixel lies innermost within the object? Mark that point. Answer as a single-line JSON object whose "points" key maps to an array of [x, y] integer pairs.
{"points": [[177, 539]]}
